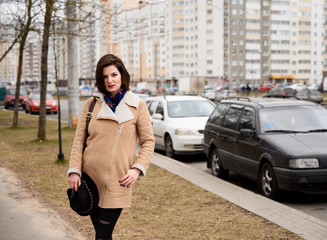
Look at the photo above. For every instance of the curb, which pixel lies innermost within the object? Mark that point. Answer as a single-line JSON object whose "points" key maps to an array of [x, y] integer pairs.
{"points": [[304, 225]]}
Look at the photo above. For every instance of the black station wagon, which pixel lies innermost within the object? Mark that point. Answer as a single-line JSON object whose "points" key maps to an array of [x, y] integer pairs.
{"points": [[280, 143]]}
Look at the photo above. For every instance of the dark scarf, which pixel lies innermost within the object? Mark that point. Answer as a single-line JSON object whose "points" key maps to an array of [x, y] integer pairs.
{"points": [[112, 102]]}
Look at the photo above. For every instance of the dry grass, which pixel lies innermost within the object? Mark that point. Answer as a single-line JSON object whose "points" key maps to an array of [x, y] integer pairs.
{"points": [[165, 206]]}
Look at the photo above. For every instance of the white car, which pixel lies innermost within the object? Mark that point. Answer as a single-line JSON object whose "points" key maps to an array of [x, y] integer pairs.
{"points": [[178, 122], [313, 86], [298, 87], [225, 93], [210, 94]]}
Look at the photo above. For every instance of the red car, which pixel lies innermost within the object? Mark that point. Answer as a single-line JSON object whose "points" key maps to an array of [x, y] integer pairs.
{"points": [[266, 87], [10, 97], [32, 104]]}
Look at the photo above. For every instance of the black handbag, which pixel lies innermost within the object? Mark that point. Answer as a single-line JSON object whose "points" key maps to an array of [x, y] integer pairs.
{"points": [[86, 199]]}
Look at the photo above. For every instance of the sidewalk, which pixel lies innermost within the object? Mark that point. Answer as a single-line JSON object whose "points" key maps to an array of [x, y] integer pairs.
{"points": [[23, 217], [302, 224]]}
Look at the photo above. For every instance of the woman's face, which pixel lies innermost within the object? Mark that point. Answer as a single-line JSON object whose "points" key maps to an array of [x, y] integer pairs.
{"points": [[112, 79]]}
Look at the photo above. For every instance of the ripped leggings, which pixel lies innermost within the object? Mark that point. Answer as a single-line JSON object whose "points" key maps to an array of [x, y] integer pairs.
{"points": [[104, 221]]}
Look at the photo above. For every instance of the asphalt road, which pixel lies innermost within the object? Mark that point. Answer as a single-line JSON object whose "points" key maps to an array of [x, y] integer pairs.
{"points": [[314, 205]]}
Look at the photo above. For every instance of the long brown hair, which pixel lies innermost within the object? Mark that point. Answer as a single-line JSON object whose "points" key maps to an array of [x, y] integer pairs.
{"points": [[108, 60]]}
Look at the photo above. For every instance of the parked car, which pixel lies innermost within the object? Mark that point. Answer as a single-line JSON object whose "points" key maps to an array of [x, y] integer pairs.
{"points": [[143, 91], [10, 95], [178, 122], [313, 86], [266, 87], [33, 103], [143, 96], [310, 95], [281, 92], [225, 93], [298, 87], [210, 94], [280, 143]]}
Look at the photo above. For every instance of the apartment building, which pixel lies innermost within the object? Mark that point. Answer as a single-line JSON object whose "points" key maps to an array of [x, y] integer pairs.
{"points": [[88, 47], [325, 39], [32, 60], [318, 45], [274, 40], [8, 66], [138, 38], [162, 41], [103, 28]]}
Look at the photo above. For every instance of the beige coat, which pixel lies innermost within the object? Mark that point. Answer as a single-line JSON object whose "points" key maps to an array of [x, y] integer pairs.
{"points": [[111, 146]]}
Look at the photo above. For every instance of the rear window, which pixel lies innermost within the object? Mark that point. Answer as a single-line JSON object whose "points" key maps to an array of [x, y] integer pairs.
{"points": [[12, 91], [198, 108]]}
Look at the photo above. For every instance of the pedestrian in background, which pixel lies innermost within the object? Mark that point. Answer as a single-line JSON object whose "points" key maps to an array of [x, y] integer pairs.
{"points": [[248, 89], [118, 120]]}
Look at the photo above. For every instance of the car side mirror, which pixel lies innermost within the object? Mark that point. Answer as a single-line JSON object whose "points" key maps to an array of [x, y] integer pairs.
{"points": [[246, 132], [157, 116]]}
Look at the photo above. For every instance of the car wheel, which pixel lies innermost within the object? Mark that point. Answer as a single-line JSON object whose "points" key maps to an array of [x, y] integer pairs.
{"points": [[216, 166], [26, 110], [169, 149], [268, 182], [6, 106]]}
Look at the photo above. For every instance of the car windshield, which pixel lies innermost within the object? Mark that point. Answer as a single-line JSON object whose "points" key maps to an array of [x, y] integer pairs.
{"points": [[37, 96], [293, 119], [315, 93], [12, 91], [193, 108]]}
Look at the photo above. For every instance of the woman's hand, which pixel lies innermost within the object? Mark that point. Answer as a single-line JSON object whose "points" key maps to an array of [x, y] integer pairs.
{"points": [[130, 178], [74, 181]]}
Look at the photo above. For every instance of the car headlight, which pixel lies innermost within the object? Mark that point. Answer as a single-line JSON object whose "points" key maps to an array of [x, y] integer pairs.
{"points": [[54, 104], [184, 131], [304, 163], [36, 104]]}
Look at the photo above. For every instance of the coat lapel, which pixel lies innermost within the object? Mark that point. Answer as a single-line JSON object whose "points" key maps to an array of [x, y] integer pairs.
{"points": [[122, 114]]}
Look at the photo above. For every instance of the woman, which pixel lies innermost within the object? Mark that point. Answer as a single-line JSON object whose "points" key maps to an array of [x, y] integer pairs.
{"points": [[119, 118]]}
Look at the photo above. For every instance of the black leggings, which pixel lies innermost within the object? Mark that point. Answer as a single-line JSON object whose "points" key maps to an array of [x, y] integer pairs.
{"points": [[104, 221]]}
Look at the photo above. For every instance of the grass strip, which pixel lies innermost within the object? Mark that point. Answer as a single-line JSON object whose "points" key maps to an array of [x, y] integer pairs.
{"points": [[165, 206]]}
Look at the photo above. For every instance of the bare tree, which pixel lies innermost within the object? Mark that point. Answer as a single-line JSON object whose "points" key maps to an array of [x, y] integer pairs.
{"points": [[44, 67], [25, 28], [20, 27]]}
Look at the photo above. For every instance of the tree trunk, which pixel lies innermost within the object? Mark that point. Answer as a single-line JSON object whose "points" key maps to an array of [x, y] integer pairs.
{"points": [[44, 69], [73, 83], [22, 42]]}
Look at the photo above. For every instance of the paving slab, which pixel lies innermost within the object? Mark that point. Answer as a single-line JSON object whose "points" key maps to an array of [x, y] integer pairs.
{"points": [[24, 217]]}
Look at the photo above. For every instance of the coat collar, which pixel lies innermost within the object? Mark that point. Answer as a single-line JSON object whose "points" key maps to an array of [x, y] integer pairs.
{"points": [[122, 113]]}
